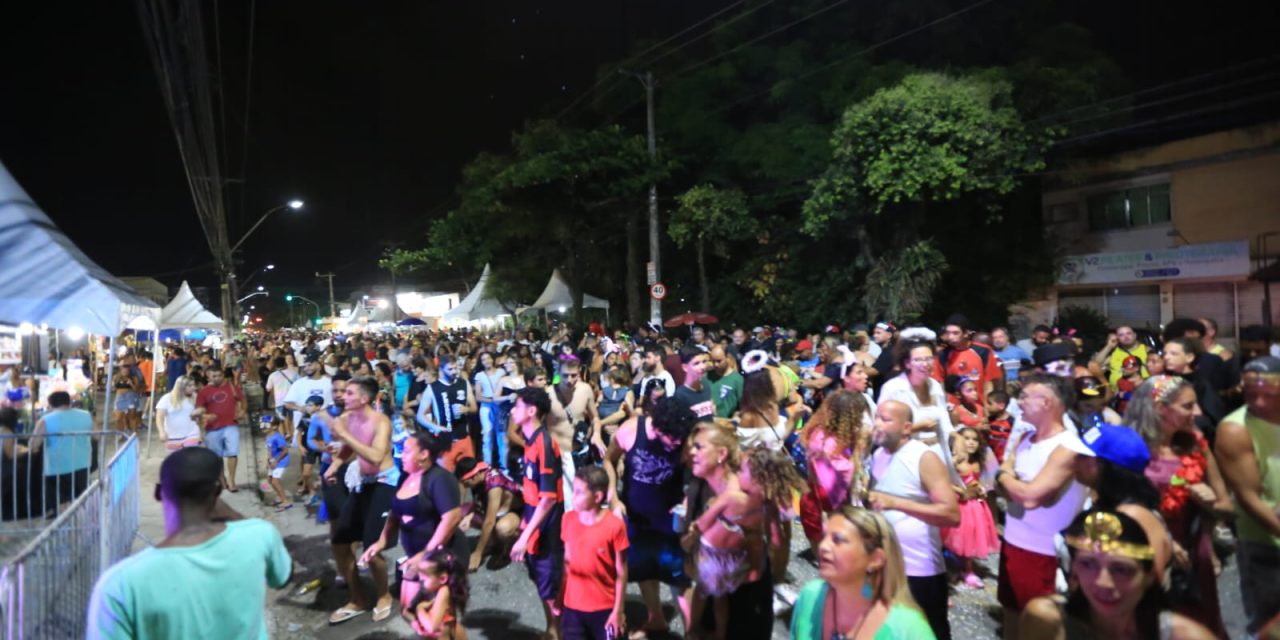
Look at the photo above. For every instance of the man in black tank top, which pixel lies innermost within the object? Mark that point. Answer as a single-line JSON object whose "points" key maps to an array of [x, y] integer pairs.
{"points": [[444, 409], [652, 449]]}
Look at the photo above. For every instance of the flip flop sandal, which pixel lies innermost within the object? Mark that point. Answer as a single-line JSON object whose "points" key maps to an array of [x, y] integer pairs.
{"points": [[283, 507], [380, 614], [344, 614]]}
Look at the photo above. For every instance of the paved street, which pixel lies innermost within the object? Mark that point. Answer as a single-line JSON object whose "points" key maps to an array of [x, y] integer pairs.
{"points": [[503, 605]]}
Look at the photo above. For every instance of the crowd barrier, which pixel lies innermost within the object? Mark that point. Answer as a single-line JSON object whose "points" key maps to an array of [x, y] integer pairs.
{"points": [[45, 585]]}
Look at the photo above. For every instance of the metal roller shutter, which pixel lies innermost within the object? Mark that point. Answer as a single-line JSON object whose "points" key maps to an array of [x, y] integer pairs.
{"points": [[1250, 296], [1215, 300], [1138, 307]]}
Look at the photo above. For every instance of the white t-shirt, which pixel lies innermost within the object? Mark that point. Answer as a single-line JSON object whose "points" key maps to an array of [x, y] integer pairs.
{"points": [[667, 381], [1034, 530], [304, 388], [899, 388], [178, 424], [766, 437], [898, 474], [278, 384]]}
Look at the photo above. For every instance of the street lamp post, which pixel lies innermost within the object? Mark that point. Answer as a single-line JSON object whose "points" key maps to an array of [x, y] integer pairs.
{"points": [[253, 275], [259, 292], [291, 297], [294, 204], [229, 286]]}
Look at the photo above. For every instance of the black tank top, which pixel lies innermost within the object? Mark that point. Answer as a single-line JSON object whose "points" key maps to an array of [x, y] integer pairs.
{"points": [[653, 483]]}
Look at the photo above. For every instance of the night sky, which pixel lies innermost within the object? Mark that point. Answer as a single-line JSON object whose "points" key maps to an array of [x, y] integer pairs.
{"points": [[365, 110], [368, 111]]}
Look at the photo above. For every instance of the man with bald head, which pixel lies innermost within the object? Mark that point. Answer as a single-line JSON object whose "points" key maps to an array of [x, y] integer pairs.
{"points": [[726, 382], [1043, 495], [912, 487]]}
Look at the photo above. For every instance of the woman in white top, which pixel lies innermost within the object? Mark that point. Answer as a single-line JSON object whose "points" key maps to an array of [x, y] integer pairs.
{"points": [[916, 388], [760, 423], [282, 377], [177, 416]]}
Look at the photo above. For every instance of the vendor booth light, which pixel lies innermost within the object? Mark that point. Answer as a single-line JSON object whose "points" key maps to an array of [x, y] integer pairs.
{"points": [[382, 304], [26, 329], [561, 308], [75, 333], [261, 288], [186, 332]]}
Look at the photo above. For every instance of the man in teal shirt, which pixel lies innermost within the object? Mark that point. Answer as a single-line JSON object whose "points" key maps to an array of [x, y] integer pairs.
{"points": [[726, 382], [63, 434], [207, 579]]}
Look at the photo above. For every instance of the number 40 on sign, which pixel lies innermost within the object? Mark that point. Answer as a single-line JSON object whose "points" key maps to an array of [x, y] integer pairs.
{"points": [[658, 291]]}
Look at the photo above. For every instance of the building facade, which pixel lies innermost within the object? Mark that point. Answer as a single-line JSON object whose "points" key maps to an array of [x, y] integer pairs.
{"points": [[1164, 232]]}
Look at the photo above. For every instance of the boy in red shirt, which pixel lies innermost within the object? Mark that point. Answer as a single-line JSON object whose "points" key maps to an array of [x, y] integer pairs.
{"points": [[595, 555]]}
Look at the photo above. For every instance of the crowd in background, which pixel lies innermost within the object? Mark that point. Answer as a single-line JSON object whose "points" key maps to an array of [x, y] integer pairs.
{"points": [[1100, 487]]}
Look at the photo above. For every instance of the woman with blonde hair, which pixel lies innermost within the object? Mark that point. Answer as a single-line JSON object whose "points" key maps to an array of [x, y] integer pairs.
{"points": [[836, 441], [177, 416], [1193, 494], [862, 593], [726, 538]]}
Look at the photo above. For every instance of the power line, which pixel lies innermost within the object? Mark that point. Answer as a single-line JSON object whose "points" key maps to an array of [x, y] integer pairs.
{"points": [[856, 54], [1263, 97], [813, 72], [1161, 87], [759, 38], [1170, 99], [612, 75], [248, 94]]}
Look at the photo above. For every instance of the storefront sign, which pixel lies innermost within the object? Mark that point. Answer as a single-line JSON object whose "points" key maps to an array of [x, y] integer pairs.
{"points": [[1211, 260]]}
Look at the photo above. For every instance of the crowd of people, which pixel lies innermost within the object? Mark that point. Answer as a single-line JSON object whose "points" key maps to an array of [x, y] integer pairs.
{"points": [[1101, 489]]}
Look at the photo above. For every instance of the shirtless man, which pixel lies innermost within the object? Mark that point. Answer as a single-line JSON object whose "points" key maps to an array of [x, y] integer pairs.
{"points": [[364, 434]]}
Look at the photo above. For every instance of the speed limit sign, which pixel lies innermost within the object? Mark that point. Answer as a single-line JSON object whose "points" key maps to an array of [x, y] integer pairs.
{"points": [[658, 291]]}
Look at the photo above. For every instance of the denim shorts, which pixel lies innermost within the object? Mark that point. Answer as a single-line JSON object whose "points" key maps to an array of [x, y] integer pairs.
{"points": [[225, 441]]}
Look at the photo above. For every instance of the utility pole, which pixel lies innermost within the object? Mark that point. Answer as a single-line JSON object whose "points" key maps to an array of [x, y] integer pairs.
{"points": [[655, 274], [333, 307]]}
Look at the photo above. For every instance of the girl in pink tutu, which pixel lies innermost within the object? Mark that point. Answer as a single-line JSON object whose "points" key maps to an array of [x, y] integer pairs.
{"points": [[976, 536]]}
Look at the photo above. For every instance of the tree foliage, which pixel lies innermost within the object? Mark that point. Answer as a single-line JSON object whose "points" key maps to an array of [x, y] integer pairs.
{"points": [[930, 138], [876, 179], [552, 202]]}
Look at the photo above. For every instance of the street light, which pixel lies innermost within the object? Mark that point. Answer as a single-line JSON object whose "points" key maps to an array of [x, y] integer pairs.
{"points": [[294, 204], [255, 273], [259, 292]]}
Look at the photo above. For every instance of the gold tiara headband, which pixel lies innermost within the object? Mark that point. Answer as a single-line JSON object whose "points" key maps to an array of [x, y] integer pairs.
{"points": [[1102, 535], [1162, 386]]}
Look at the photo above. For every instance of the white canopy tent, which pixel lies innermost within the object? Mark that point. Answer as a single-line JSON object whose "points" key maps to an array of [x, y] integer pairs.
{"points": [[185, 312], [556, 295], [45, 279], [477, 304]]}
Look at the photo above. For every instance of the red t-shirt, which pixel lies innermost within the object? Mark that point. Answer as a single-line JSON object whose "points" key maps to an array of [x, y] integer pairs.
{"points": [[591, 575], [220, 402], [969, 364]]}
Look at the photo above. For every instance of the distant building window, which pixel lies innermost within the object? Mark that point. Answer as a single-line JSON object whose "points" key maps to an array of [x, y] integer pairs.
{"points": [[1137, 207]]}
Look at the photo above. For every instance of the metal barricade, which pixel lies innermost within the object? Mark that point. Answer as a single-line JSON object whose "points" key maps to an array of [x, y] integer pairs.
{"points": [[45, 586], [41, 476]]}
